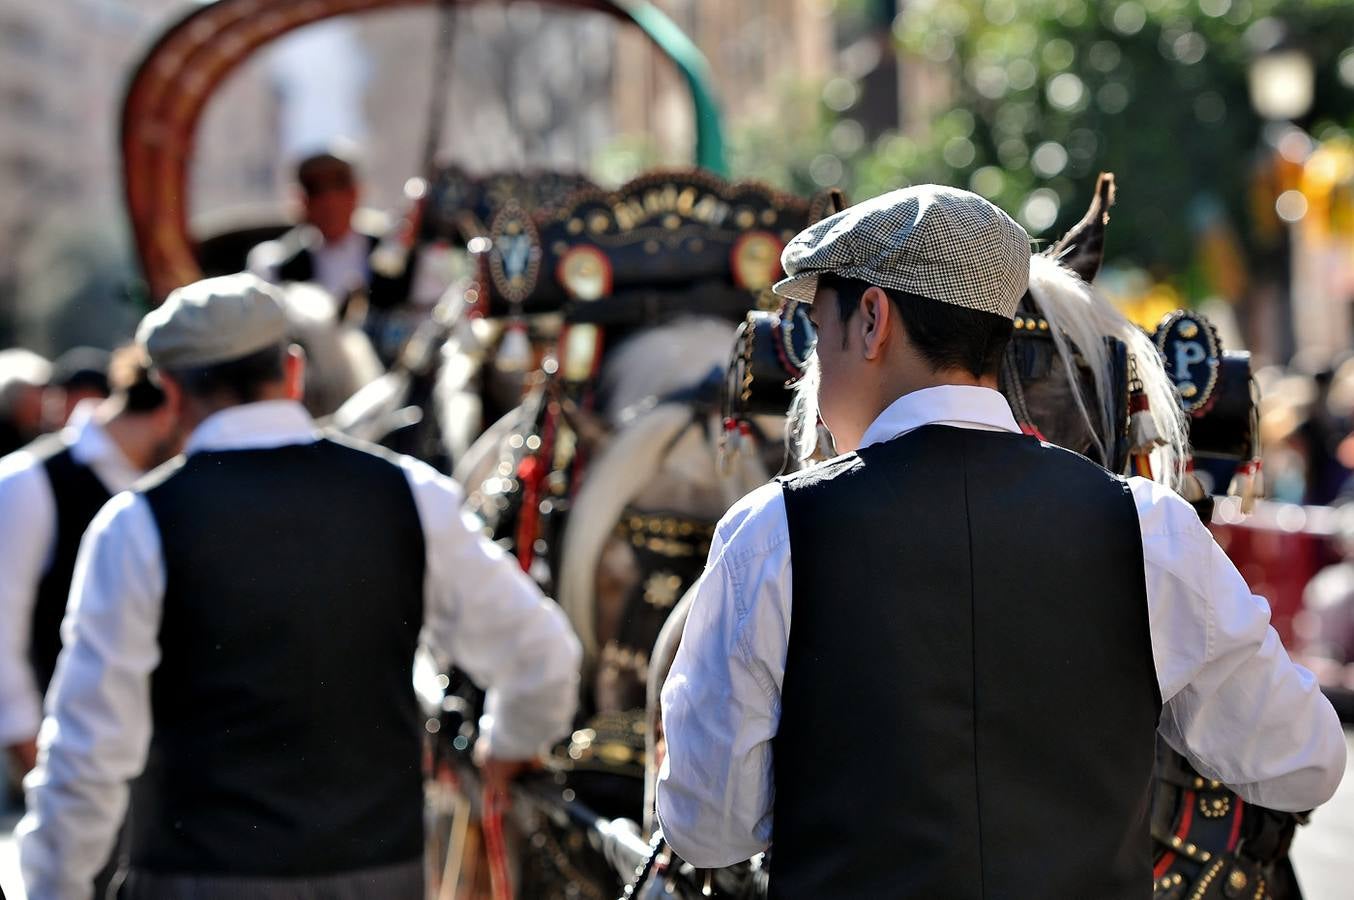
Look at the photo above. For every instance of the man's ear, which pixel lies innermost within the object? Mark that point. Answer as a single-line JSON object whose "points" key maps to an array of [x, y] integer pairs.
{"points": [[876, 321], [294, 367], [173, 391]]}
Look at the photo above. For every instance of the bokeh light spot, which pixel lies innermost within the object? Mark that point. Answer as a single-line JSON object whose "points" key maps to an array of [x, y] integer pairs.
{"points": [[825, 170], [847, 137], [959, 153], [840, 94], [1128, 18], [1049, 159], [1013, 153], [1112, 97], [1000, 12], [1067, 92], [989, 80], [989, 181], [1347, 68], [1189, 48], [1291, 206], [1040, 210], [1105, 56], [1058, 54], [1021, 74]]}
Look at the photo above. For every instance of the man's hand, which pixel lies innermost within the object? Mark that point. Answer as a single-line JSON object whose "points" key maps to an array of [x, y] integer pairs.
{"points": [[23, 756]]}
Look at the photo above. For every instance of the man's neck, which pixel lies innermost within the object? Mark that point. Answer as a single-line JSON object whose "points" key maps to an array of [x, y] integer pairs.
{"points": [[912, 382]]}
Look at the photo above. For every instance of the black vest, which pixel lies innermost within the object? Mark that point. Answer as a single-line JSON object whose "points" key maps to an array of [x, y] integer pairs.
{"points": [[383, 292], [970, 703], [79, 495], [286, 733]]}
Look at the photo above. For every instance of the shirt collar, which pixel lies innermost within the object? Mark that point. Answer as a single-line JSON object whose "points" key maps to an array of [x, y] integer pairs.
{"points": [[252, 426], [964, 406], [88, 440]]}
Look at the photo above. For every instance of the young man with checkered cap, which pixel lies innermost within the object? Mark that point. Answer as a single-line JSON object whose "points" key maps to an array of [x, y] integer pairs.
{"points": [[240, 643], [935, 666]]}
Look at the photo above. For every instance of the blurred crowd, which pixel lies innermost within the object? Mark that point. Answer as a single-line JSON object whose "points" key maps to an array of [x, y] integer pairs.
{"points": [[38, 396]]}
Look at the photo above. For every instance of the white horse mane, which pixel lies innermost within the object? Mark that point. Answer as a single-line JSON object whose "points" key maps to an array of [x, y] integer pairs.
{"points": [[648, 365], [340, 358], [1076, 311], [657, 361]]}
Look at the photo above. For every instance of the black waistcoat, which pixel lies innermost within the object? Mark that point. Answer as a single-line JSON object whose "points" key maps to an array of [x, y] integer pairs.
{"points": [[79, 495], [286, 733], [970, 701]]}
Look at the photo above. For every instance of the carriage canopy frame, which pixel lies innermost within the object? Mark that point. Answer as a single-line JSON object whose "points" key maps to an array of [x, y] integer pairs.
{"points": [[170, 89]]}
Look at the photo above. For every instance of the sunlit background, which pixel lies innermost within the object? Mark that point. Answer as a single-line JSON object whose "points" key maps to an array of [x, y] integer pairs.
{"points": [[1226, 122], [1229, 125]]}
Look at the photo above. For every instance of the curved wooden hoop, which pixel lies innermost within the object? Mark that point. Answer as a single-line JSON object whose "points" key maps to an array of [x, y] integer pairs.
{"points": [[170, 89]]}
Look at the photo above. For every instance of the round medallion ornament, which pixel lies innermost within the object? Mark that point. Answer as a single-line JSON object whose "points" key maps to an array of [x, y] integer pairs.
{"points": [[1192, 352], [585, 273], [515, 253], [756, 260]]}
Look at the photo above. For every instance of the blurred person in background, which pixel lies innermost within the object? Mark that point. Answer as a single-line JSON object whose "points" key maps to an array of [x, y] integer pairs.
{"points": [[241, 638], [49, 492], [23, 376], [1319, 436], [79, 374], [333, 244]]}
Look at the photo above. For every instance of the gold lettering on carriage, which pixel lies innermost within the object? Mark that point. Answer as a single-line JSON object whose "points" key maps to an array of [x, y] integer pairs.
{"points": [[688, 202]]}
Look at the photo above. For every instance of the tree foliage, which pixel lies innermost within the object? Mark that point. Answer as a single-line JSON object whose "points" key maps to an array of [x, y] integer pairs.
{"points": [[1044, 94]]}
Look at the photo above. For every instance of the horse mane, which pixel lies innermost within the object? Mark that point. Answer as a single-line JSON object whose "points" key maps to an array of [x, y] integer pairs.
{"points": [[623, 468], [657, 361], [340, 358], [1079, 315], [630, 463]]}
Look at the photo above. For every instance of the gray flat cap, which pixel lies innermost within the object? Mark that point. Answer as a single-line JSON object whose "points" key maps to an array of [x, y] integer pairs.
{"points": [[931, 240], [213, 321]]}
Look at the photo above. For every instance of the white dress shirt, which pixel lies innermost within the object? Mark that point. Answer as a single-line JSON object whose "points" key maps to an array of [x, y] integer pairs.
{"points": [[1234, 703], [28, 532], [341, 267], [479, 609]]}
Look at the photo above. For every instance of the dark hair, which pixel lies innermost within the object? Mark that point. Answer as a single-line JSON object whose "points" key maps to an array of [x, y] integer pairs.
{"points": [[320, 171], [234, 381], [130, 379], [947, 336]]}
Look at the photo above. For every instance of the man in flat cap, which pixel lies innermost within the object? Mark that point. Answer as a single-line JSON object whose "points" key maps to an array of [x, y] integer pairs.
{"points": [[935, 666], [241, 635]]}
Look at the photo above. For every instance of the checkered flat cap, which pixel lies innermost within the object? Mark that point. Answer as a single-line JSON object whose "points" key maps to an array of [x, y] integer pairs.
{"points": [[213, 321], [931, 240]]}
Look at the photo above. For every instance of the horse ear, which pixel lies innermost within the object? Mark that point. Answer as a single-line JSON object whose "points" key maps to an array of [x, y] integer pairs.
{"points": [[1083, 248]]}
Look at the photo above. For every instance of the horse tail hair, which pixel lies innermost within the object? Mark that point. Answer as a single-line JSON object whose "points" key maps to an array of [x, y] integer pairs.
{"points": [[615, 477]]}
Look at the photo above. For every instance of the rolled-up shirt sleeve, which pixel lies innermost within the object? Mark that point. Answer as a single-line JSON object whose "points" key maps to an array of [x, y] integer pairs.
{"points": [[27, 535], [1235, 704], [483, 613], [98, 726], [721, 700]]}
